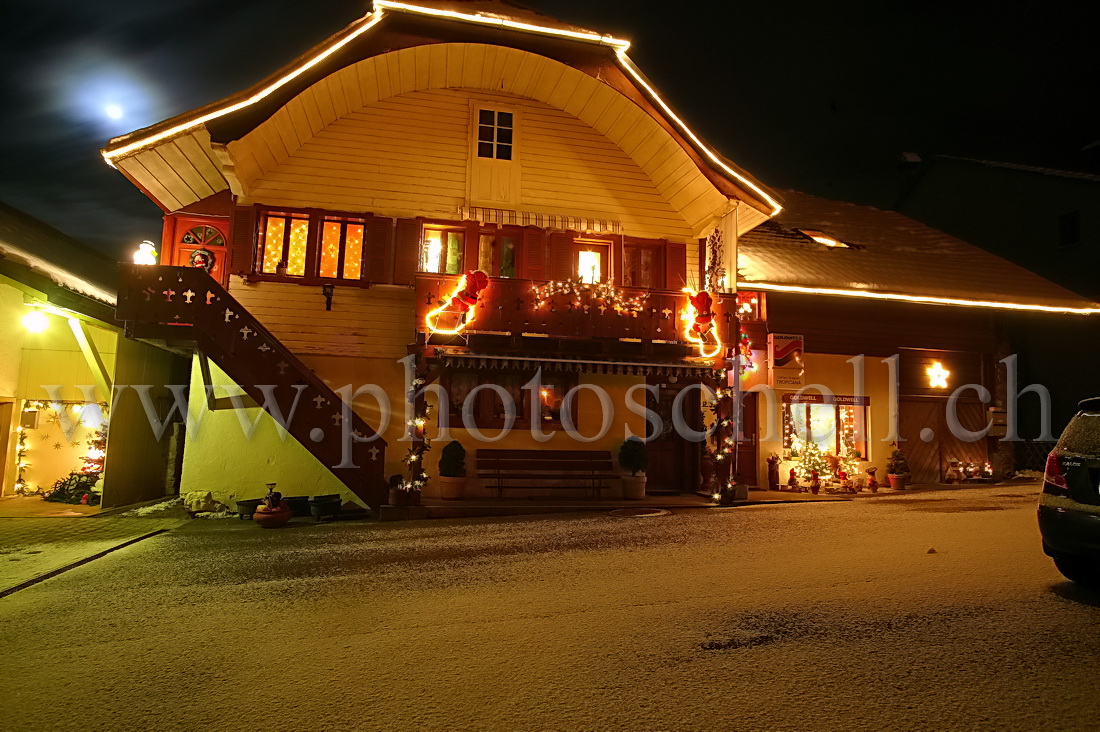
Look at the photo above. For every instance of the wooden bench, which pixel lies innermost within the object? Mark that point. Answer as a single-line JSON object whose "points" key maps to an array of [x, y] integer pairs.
{"points": [[507, 470]]}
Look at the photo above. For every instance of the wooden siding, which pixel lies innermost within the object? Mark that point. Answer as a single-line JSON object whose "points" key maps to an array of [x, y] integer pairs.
{"points": [[409, 154], [618, 161], [365, 323]]}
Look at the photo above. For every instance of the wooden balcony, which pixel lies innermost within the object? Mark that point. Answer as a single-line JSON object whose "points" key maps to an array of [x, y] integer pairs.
{"points": [[510, 307]]}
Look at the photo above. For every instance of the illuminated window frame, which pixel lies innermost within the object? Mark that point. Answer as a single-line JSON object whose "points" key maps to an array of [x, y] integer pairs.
{"points": [[275, 253], [859, 409], [600, 247], [345, 229], [441, 234]]}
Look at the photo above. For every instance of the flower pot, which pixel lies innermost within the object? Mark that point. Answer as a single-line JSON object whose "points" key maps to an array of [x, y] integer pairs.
{"points": [[299, 505], [323, 507], [633, 487], [398, 497], [245, 509], [414, 497], [452, 488], [897, 482], [272, 518]]}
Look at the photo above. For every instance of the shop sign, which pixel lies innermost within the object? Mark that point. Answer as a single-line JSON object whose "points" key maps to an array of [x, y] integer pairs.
{"points": [[785, 353], [854, 401]]}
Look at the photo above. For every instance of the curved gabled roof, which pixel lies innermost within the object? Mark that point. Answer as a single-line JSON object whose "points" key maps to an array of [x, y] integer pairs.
{"points": [[395, 25]]}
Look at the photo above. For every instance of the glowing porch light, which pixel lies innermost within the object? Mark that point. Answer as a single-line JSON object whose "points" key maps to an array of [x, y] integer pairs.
{"points": [[36, 321], [925, 299], [588, 267], [146, 253], [937, 375]]}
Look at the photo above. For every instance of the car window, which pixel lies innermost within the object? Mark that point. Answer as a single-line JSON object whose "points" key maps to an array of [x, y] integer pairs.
{"points": [[1082, 435]]}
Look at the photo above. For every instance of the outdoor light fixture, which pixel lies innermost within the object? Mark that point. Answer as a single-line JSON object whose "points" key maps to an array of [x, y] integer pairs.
{"points": [[36, 321], [328, 290], [146, 253], [937, 375]]}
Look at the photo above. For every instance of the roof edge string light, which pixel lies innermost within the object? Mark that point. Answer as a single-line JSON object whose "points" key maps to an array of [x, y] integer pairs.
{"points": [[921, 299]]}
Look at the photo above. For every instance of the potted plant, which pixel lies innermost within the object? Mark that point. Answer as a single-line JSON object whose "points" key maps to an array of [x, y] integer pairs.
{"points": [[452, 471], [398, 495], [273, 512], [897, 470], [634, 457]]}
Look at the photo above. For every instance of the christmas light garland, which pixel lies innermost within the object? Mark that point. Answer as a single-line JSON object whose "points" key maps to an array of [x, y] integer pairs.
{"points": [[613, 296]]}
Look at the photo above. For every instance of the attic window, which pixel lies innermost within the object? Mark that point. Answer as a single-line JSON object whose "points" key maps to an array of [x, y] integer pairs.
{"points": [[822, 238], [494, 134]]}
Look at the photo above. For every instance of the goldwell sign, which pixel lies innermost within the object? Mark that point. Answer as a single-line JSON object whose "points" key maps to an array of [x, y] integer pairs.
{"points": [[785, 361]]}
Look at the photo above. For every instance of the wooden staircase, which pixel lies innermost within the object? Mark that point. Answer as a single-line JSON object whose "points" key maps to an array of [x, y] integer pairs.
{"points": [[186, 305]]}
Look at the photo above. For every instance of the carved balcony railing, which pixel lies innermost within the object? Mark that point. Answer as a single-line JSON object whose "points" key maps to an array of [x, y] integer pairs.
{"points": [[512, 306]]}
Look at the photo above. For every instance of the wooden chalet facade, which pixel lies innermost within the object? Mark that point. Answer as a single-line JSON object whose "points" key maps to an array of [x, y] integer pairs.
{"points": [[339, 202]]}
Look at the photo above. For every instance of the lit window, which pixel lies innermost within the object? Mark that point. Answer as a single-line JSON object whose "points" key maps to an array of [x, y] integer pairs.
{"points": [[203, 236], [588, 266], [837, 425], [441, 251], [284, 243], [494, 134], [342, 249]]}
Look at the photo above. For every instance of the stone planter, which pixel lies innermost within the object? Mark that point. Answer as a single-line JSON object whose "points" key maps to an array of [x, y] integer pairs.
{"points": [[398, 497], [633, 487], [898, 482], [452, 488], [299, 505], [323, 507], [246, 508]]}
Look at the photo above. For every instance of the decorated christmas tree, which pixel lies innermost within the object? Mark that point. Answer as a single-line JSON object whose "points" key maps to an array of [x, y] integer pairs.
{"points": [[811, 458], [97, 450]]}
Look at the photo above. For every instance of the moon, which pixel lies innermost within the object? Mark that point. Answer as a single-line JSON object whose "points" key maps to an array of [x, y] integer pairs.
{"points": [[113, 111]]}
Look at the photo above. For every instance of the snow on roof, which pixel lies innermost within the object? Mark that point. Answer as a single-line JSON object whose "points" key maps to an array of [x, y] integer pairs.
{"points": [[891, 253], [52, 254]]}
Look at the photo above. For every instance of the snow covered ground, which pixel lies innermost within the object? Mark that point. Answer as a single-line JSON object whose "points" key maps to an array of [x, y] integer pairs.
{"points": [[780, 617]]}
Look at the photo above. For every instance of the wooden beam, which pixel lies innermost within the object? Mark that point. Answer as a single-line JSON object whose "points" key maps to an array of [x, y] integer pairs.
{"points": [[212, 403], [92, 357]]}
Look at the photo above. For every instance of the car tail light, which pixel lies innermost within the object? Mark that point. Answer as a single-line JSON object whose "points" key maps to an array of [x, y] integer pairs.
{"points": [[1054, 480]]}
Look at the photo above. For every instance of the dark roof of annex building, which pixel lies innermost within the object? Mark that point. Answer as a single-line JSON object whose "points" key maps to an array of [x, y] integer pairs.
{"points": [[887, 256], [1075, 175], [56, 257]]}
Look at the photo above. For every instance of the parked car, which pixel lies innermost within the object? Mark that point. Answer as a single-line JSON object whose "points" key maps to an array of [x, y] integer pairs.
{"points": [[1069, 507]]}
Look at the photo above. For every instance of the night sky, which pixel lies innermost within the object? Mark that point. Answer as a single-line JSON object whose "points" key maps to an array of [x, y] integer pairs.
{"points": [[821, 97]]}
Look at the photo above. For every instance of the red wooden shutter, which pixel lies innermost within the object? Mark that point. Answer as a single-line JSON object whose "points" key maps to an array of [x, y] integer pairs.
{"points": [[534, 253], [618, 260], [378, 250], [561, 255], [675, 265], [242, 241], [406, 251], [472, 246]]}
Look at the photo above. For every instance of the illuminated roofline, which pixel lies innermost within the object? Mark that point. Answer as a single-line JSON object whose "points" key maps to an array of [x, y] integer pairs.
{"points": [[616, 43], [633, 70], [619, 45], [923, 299], [111, 155]]}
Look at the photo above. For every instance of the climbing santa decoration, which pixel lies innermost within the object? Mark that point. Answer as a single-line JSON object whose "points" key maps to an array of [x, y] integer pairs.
{"points": [[453, 314]]}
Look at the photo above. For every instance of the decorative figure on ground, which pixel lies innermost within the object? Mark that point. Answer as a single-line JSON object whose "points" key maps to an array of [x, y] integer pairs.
{"points": [[872, 482], [792, 482], [815, 482]]}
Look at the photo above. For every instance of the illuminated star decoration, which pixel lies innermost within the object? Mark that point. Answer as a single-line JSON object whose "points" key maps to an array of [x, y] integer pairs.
{"points": [[937, 375]]}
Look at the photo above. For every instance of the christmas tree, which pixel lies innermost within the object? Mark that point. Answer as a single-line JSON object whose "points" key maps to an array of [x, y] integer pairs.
{"points": [[97, 450], [810, 458]]}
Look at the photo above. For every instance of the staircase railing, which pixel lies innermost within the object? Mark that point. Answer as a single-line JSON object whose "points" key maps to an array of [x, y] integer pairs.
{"points": [[187, 304]]}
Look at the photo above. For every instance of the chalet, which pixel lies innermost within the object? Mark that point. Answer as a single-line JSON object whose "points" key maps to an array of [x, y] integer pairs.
{"points": [[467, 195]]}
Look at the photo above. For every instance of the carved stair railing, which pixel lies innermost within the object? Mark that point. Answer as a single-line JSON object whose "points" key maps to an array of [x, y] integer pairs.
{"points": [[185, 304]]}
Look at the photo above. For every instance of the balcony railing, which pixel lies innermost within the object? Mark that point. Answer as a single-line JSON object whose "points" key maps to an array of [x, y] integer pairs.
{"points": [[511, 306]]}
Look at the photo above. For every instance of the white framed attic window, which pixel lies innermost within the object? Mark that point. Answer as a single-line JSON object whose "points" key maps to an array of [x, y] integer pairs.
{"points": [[495, 133]]}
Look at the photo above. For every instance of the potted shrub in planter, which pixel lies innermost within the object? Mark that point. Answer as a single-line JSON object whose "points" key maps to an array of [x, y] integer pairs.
{"points": [[398, 496], [452, 471], [273, 512], [897, 470], [634, 457], [327, 506]]}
